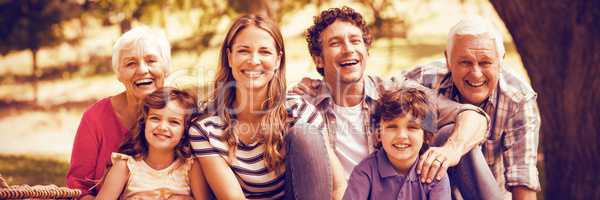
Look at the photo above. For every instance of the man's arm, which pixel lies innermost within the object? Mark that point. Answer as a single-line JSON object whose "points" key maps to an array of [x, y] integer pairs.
{"points": [[520, 140], [307, 86], [470, 129], [523, 193]]}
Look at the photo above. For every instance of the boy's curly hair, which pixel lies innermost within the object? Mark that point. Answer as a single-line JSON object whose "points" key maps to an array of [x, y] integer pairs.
{"points": [[328, 17]]}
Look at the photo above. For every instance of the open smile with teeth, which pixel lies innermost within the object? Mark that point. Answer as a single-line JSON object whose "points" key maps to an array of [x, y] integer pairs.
{"points": [[143, 82], [253, 73], [348, 63], [162, 136], [401, 146], [475, 84]]}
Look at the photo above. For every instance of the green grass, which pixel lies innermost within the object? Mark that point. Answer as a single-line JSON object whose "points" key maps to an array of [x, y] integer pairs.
{"points": [[33, 170]]}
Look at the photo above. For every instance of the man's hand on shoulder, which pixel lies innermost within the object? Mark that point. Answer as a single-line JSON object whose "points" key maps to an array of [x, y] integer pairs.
{"points": [[307, 86], [435, 161]]}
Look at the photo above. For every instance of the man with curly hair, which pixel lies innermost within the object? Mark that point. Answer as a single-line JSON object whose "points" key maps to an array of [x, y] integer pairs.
{"points": [[338, 42]]}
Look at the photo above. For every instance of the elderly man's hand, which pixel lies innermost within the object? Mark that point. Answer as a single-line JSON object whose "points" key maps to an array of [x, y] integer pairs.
{"points": [[307, 86], [435, 161]]}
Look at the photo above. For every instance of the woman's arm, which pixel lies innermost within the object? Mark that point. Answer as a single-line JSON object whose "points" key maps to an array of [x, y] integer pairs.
{"points": [[198, 182], [216, 171], [84, 156], [115, 181], [221, 178]]}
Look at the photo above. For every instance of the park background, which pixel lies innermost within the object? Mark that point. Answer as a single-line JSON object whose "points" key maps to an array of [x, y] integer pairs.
{"points": [[55, 61]]}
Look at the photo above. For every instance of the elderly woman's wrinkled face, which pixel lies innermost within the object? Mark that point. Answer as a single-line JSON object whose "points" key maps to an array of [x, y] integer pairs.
{"points": [[141, 68]]}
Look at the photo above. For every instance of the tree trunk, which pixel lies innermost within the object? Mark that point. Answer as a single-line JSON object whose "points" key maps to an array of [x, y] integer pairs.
{"points": [[34, 80], [559, 45]]}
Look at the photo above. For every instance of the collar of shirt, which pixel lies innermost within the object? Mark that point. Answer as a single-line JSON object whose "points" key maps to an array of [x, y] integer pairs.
{"points": [[324, 95], [386, 170], [448, 86], [324, 102]]}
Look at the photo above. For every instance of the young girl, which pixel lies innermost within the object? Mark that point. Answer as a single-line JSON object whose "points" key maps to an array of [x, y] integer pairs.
{"points": [[257, 140], [155, 162]]}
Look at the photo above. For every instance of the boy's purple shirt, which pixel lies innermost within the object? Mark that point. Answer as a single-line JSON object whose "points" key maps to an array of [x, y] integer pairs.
{"points": [[376, 178]]}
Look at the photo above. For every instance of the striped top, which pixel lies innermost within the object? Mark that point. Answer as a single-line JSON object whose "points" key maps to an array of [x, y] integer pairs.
{"points": [[148, 183], [249, 165]]}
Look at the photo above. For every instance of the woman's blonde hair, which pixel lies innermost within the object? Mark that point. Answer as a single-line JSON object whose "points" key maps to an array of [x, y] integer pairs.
{"points": [[273, 124]]}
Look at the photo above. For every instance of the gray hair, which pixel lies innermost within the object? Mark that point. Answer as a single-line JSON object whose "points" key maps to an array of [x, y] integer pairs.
{"points": [[136, 34], [475, 26]]}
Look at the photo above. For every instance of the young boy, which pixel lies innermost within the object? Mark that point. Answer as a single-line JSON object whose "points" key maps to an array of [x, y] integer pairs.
{"points": [[402, 120]]}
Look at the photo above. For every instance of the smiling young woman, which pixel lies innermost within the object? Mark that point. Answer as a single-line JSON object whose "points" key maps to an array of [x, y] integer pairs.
{"points": [[257, 142]]}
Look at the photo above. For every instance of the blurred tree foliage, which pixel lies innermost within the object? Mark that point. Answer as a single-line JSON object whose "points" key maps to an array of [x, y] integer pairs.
{"points": [[273, 9], [124, 12], [33, 24], [387, 22]]}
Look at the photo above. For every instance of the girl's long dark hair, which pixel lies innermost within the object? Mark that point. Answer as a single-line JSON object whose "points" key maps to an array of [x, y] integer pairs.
{"points": [[136, 144]]}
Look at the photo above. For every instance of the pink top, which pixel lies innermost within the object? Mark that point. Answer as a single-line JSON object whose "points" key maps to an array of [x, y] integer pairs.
{"points": [[99, 134]]}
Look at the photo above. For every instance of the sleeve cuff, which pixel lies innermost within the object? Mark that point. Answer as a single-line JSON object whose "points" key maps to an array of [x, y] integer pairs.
{"points": [[523, 176]]}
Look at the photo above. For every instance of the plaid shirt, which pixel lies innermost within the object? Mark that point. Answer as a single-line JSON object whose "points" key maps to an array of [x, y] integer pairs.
{"points": [[444, 110], [511, 146]]}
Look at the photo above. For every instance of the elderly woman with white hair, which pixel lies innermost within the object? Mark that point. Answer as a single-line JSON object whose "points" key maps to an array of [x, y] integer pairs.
{"points": [[140, 59]]}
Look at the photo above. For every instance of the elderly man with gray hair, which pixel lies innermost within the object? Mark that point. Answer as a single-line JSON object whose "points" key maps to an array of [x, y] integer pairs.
{"points": [[141, 59], [474, 73]]}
